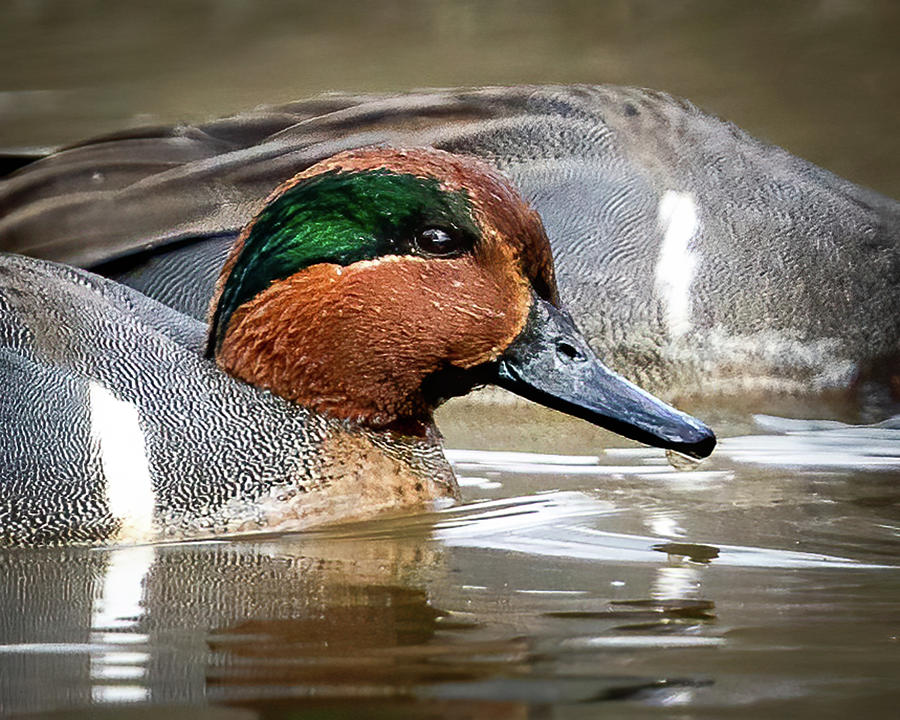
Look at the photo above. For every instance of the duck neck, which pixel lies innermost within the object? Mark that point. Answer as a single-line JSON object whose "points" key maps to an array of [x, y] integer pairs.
{"points": [[361, 472]]}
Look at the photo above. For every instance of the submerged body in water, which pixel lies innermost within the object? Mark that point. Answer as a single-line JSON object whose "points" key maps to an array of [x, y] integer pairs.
{"points": [[696, 259]]}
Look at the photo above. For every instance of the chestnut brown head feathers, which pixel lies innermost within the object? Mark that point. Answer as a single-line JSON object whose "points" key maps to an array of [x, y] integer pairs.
{"points": [[373, 270]]}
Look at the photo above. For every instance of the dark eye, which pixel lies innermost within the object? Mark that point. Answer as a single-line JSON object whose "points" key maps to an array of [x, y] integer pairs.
{"points": [[434, 241]]}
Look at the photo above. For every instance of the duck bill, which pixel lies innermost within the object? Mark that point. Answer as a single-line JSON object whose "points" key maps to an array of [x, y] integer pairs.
{"points": [[551, 364]]}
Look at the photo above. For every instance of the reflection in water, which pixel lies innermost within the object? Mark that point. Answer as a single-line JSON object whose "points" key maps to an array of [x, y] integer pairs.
{"points": [[552, 524], [497, 608], [665, 524], [691, 551], [325, 617], [501, 607], [193, 622], [117, 611], [681, 581]]}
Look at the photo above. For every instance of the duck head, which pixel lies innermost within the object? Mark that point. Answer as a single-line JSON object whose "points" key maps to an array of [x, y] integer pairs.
{"points": [[380, 282]]}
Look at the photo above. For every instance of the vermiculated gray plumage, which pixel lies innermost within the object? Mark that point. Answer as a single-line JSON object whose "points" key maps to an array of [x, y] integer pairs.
{"points": [[216, 450]]}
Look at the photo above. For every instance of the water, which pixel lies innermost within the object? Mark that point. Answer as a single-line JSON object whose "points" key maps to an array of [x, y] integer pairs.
{"points": [[763, 583], [583, 575]]}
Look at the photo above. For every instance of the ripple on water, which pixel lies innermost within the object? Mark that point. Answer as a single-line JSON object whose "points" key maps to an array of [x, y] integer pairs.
{"points": [[814, 444], [564, 524]]}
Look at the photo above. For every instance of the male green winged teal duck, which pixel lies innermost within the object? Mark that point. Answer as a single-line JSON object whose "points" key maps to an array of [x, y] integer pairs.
{"points": [[696, 258], [369, 288]]}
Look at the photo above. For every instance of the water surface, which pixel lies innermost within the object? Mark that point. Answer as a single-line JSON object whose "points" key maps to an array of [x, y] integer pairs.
{"points": [[763, 583]]}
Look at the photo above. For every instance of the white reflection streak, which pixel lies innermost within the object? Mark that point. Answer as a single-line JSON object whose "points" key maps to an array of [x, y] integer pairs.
{"points": [[118, 609], [665, 525], [482, 483], [503, 458], [651, 642], [682, 696], [676, 582]]}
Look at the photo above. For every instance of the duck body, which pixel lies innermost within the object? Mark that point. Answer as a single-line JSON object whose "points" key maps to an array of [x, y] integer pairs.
{"points": [[116, 429], [697, 259], [367, 290]]}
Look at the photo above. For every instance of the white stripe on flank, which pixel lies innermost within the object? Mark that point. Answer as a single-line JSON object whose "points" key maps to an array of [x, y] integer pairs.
{"points": [[116, 428], [676, 264]]}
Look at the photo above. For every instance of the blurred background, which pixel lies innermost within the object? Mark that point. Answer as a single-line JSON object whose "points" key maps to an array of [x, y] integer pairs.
{"points": [[820, 77]]}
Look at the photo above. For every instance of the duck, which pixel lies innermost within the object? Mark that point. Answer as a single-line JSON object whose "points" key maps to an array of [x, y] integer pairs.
{"points": [[699, 261], [369, 288]]}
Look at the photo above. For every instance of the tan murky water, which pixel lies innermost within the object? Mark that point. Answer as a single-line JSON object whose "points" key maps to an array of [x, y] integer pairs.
{"points": [[583, 574], [762, 584]]}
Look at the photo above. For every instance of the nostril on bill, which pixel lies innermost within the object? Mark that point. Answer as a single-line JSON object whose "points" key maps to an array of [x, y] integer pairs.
{"points": [[569, 352]]}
